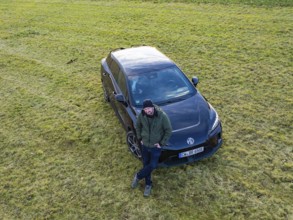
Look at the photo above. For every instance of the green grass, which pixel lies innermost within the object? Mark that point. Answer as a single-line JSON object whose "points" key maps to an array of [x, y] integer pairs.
{"points": [[63, 152], [265, 3]]}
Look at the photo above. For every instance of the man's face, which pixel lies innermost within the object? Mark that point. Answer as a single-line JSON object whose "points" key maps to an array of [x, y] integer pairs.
{"points": [[149, 110]]}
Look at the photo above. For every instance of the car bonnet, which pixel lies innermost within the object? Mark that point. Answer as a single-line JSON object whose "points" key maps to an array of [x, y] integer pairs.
{"points": [[190, 120]]}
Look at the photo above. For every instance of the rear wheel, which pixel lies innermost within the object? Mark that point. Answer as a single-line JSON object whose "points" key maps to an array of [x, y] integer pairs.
{"points": [[133, 145]]}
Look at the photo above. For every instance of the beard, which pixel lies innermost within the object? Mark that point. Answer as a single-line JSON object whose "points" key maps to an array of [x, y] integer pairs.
{"points": [[150, 116]]}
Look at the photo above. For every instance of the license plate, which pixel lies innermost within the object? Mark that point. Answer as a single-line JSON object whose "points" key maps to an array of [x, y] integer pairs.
{"points": [[191, 152]]}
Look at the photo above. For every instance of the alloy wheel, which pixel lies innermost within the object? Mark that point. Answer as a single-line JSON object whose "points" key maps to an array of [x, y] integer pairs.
{"points": [[132, 145]]}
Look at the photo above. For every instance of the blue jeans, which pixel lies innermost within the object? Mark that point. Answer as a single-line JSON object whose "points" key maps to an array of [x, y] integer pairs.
{"points": [[150, 156]]}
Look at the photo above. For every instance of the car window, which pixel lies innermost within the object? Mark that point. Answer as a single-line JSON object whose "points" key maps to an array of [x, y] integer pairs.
{"points": [[109, 60], [122, 83], [115, 70], [161, 86]]}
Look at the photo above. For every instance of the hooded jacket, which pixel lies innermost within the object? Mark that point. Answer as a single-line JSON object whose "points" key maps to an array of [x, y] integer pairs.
{"points": [[152, 130]]}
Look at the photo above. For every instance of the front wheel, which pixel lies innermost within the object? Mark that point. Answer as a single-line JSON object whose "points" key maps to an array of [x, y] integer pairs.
{"points": [[133, 145]]}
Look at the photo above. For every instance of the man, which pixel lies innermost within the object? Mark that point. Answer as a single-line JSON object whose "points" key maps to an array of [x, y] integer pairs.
{"points": [[153, 129]]}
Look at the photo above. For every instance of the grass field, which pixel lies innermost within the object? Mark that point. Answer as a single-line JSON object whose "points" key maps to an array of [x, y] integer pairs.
{"points": [[63, 152], [262, 3]]}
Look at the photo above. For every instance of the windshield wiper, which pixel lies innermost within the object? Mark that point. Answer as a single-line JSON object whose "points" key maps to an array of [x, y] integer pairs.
{"points": [[171, 101]]}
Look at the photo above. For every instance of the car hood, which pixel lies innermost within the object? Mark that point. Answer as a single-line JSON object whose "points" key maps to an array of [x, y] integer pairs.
{"points": [[190, 119]]}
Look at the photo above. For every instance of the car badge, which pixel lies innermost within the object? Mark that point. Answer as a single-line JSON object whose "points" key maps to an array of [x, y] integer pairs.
{"points": [[190, 141]]}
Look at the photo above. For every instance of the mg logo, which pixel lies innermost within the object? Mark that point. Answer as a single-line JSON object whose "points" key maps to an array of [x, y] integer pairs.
{"points": [[190, 141]]}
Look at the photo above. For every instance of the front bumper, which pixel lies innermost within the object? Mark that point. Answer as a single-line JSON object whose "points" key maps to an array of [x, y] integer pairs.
{"points": [[170, 157]]}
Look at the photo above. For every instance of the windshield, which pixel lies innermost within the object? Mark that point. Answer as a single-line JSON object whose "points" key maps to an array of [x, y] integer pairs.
{"points": [[161, 86]]}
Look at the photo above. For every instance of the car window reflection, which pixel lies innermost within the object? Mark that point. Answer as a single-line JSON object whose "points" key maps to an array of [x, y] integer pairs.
{"points": [[161, 86]]}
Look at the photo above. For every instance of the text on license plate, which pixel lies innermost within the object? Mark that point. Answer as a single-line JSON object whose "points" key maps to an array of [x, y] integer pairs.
{"points": [[191, 152]]}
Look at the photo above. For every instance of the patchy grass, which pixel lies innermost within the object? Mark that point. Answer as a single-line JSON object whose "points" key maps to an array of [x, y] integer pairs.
{"points": [[63, 152]]}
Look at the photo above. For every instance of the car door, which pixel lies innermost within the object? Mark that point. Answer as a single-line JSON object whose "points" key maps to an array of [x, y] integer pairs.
{"points": [[118, 86], [114, 88], [123, 108], [108, 78]]}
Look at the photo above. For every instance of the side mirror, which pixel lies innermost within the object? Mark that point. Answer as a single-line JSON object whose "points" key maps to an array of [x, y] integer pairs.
{"points": [[120, 98], [195, 81]]}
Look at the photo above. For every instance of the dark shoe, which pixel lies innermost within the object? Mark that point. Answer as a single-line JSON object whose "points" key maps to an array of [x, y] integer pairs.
{"points": [[134, 182], [147, 190]]}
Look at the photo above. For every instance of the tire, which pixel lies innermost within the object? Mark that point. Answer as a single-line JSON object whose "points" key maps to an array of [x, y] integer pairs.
{"points": [[133, 147]]}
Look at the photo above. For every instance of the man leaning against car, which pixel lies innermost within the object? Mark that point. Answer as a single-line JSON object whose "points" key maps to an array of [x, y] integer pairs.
{"points": [[153, 130]]}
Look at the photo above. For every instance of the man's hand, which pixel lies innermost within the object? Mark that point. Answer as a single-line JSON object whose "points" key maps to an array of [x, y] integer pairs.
{"points": [[157, 145]]}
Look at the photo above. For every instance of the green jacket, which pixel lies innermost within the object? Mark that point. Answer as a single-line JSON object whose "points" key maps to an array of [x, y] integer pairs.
{"points": [[153, 130]]}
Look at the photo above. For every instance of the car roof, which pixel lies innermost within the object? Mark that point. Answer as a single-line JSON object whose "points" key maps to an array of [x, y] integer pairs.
{"points": [[143, 59]]}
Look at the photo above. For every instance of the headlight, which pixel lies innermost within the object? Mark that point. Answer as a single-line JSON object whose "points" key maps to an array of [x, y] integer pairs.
{"points": [[216, 122], [216, 118]]}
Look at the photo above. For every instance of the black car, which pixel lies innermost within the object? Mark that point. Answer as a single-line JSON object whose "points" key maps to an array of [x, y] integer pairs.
{"points": [[129, 76]]}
